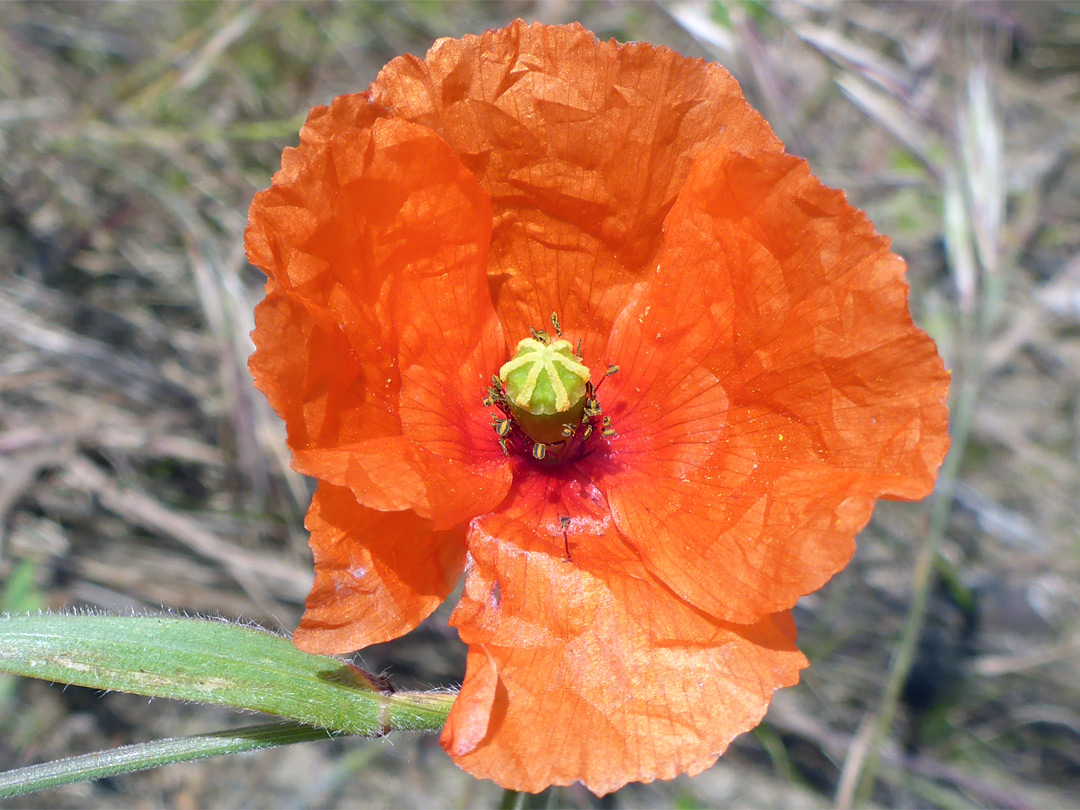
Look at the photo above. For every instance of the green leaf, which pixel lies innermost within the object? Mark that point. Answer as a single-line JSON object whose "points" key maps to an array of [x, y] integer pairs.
{"points": [[211, 662], [142, 756], [19, 593]]}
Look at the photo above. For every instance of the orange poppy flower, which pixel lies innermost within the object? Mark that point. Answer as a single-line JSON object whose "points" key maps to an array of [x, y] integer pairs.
{"points": [[631, 542]]}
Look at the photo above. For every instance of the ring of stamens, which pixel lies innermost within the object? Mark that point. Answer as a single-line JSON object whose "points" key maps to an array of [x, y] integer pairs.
{"points": [[558, 423]]}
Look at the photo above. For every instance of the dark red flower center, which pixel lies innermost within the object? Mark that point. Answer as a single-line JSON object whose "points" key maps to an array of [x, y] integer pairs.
{"points": [[548, 405]]}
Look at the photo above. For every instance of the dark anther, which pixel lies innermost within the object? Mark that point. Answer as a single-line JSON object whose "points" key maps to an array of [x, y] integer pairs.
{"points": [[540, 335], [555, 323], [539, 451], [612, 370]]}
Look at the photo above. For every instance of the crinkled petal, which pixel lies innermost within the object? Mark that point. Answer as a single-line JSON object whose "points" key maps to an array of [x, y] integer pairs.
{"points": [[583, 146], [377, 574], [746, 495], [339, 427], [377, 337], [602, 679]]}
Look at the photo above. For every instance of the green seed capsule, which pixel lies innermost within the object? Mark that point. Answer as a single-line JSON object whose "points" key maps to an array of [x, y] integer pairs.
{"points": [[545, 386]]}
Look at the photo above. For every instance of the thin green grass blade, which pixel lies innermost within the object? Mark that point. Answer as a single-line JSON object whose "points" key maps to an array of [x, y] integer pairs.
{"points": [[143, 756], [211, 662]]}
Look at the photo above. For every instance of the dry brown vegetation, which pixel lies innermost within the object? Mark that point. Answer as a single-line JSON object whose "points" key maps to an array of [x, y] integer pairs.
{"points": [[139, 469]]}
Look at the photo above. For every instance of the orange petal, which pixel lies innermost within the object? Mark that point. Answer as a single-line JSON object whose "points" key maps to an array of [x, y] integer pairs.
{"points": [[774, 287], [583, 146], [600, 679], [377, 574], [340, 428], [378, 337]]}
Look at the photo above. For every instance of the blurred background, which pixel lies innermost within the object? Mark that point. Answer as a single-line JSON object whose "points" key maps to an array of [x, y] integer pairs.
{"points": [[140, 471]]}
